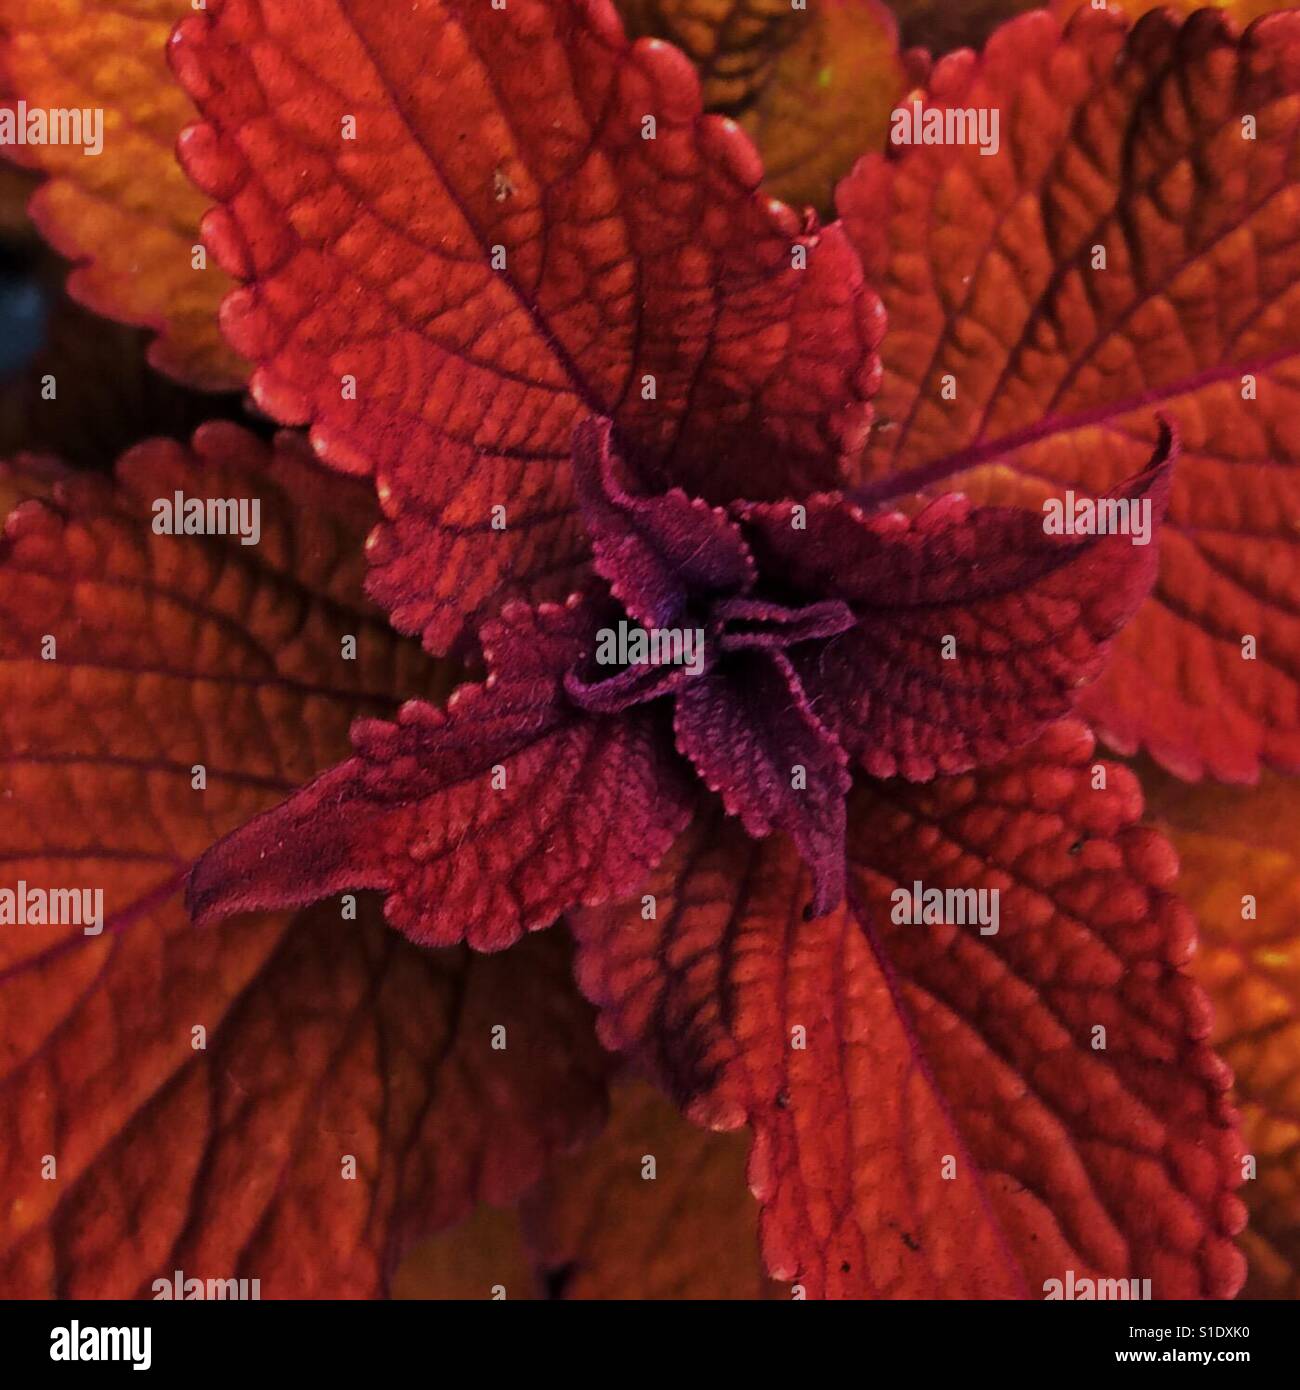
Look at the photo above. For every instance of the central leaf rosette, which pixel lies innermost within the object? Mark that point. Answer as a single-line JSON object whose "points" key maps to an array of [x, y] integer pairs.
{"points": [[741, 715], [833, 640]]}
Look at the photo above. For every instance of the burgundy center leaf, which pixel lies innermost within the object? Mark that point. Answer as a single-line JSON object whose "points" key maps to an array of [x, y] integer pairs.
{"points": [[653, 551], [745, 722], [753, 736]]}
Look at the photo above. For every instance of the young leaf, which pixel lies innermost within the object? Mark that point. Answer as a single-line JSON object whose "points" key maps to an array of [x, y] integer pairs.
{"points": [[753, 735], [294, 1097], [940, 1112], [1126, 250], [463, 229], [125, 214]]}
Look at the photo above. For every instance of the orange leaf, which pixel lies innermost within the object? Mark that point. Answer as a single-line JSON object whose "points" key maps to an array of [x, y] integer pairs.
{"points": [[1239, 844], [940, 1111], [601, 1225], [601, 1228], [1124, 253], [814, 87], [127, 215], [322, 1041]]}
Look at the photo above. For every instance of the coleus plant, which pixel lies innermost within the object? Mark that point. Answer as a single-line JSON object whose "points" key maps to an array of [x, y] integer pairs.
{"points": [[555, 784], [502, 264]]}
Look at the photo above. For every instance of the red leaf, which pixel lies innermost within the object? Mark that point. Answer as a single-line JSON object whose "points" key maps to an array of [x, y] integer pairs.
{"points": [[643, 279], [480, 822], [1131, 146], [1030, 617], [323, 1037], [932, 1049]]}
